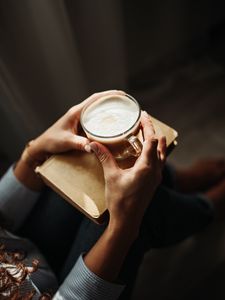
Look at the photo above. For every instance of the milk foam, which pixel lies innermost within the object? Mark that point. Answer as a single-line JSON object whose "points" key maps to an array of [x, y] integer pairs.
{"points": [[111, 116]]}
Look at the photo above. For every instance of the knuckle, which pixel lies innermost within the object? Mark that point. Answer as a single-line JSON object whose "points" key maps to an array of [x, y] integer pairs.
{"points": [[143, 170], [79, 146], [66, 142], [147, 144], [50, 141], [134, 176], [72, 111]]}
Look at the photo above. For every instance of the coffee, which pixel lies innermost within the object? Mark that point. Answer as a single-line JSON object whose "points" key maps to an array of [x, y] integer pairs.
{"points": [[114, 121], [111, 116]]}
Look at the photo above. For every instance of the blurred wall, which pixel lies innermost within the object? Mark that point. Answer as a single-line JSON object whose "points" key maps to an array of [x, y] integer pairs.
{"points": [[48, 63], [161, 33], [54, 53]]}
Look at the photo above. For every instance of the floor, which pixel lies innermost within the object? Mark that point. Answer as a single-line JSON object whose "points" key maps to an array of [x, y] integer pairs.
{"points": [[192, 100]]}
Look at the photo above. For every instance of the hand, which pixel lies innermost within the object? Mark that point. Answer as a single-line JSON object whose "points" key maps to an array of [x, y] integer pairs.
{"points": [[124, 192], [125, 189], [62, 136]]}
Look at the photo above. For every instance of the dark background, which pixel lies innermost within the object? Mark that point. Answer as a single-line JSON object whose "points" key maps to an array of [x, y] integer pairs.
{"points": [[170, 55], [167, 54]]}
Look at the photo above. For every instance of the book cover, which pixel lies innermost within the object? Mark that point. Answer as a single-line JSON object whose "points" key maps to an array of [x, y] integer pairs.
{"points": [[78, 176]]}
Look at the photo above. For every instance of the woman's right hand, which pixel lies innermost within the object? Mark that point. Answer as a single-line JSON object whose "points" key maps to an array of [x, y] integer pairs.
{"points": [[128, 192]]}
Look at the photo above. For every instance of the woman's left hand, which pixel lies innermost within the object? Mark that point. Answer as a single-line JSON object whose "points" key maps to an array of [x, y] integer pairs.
{"points": [[60, 137], [63, 135]]}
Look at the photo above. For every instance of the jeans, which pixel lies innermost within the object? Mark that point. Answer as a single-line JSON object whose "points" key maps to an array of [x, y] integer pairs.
{"points": [[170, 218], [61, 231]]}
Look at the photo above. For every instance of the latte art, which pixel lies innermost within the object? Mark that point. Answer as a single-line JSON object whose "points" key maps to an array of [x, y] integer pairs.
{"points": [[111, 116]]}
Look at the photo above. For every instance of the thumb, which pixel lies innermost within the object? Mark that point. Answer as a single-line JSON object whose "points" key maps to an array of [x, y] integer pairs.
{"points": [[104, 156], [79, 143]]}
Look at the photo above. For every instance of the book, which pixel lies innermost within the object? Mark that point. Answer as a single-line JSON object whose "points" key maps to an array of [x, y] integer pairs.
{"points": [[78, 176]]}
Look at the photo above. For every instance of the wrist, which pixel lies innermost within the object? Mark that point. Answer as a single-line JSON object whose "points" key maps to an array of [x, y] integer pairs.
{"points": [[27, 176], [128, 229], [126, 217], [32, 156], [25, 168]]}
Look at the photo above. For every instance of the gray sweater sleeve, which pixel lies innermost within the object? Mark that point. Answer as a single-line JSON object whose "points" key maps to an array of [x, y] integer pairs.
{"points": [[83, 284], [16, 201]]}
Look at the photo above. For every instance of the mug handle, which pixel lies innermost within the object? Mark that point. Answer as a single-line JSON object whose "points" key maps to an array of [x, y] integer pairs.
{"points": [[136, 146], [134, 149]]}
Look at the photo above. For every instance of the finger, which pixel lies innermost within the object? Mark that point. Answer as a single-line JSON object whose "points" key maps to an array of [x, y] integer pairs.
{"points": [[79, 143], [148, 155], [162, 148], [105, 157], [148, 129]]}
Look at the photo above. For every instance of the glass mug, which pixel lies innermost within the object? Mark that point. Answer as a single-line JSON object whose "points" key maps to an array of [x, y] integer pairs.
{"points": [[114, 120]]}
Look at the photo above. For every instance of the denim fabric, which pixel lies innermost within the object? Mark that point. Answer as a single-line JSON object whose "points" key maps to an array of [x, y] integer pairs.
{"points": [[170, 218]]}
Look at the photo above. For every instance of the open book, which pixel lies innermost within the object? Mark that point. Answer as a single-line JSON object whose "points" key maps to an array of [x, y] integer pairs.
{"points": [[78, 176]]}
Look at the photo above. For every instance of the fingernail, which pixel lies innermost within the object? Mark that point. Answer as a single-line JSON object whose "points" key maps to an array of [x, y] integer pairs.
{"points": [[162, 157], [93, 147], [87, 148]]}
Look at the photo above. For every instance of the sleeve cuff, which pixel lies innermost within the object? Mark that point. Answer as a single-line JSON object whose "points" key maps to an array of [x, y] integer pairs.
{"points": [[81, 283]]}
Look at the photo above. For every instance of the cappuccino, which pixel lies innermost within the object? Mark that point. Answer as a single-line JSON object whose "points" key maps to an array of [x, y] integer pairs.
{"points": [[114, 121], [111, 116]]}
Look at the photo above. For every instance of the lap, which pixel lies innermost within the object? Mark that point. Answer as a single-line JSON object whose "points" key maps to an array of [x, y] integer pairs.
{"points": [[52, 226]]}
